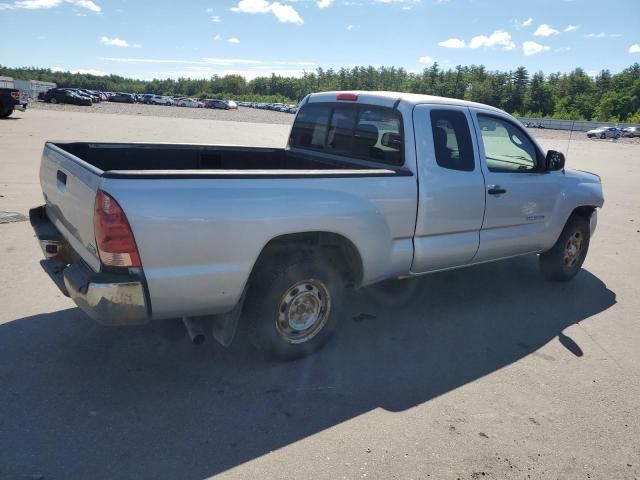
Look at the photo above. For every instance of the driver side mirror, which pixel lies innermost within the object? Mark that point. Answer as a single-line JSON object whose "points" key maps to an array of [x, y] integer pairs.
{"points": [[554, 160], [391, 140]]}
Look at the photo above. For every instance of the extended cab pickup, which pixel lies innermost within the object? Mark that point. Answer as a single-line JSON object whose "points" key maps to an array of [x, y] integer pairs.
{"points": [[372, 186], [10, 100]]}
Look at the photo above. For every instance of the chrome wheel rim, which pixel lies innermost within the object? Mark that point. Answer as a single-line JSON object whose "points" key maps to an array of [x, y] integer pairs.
{"points": [[572, 249], [303, 311]]}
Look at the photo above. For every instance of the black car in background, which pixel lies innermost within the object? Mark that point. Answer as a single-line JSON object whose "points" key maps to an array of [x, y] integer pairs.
{"points": [[122, 98], [66, 95], [216, 104]]}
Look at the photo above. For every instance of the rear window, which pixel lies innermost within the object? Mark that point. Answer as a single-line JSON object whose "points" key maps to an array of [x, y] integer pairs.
{"points": [[365, 132]]}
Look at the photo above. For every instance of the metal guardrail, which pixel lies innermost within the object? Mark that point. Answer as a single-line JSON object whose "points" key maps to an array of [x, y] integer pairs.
{"points": [[575, 125]]}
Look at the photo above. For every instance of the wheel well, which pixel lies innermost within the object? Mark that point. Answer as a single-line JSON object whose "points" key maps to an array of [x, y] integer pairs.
{"points": [[584, 212], [335, 248]]}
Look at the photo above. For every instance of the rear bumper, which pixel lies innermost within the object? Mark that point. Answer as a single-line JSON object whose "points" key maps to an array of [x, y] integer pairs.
{"points": [[108, 298]]}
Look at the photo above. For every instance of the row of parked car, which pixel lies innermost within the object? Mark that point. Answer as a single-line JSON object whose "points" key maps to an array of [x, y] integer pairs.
{"points": [[82, 96], [614, 132], [278, 107]]}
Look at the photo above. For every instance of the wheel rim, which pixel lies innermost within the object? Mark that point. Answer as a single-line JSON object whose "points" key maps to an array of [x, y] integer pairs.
{"points": [[573, 249], [303, 311]]}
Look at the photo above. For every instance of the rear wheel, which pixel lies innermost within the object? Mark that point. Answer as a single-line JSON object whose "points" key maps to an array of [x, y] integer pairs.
{"points": [[53, 100], [6, 112], [294, 306], [603, 136], [565, 259]]}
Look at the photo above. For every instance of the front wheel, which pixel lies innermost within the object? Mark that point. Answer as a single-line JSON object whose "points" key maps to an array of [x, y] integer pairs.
{"points": [[566, 257], [6, 113], [53, 100], [603, 136], [294, 307]]}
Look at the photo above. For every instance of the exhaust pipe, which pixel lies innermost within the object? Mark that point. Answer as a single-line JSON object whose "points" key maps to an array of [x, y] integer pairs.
{"points": [[196, 334]]}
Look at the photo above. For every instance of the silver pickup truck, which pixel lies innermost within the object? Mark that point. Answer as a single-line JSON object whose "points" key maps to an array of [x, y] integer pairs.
{"points": [[372, 186]]}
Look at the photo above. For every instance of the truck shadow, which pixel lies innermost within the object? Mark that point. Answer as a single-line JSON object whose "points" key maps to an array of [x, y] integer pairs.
{"points": [[82, 401]]}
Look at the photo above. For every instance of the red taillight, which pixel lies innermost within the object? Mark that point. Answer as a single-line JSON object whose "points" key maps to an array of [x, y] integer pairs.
{"points": [[114, 238], [350, 97]]}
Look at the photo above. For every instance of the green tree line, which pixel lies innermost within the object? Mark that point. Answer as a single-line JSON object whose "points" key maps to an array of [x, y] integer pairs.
{"points": [[570, 96]]}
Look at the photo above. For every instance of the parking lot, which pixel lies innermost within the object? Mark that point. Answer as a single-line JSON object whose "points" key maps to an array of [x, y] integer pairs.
{"points": [[489, 372]]}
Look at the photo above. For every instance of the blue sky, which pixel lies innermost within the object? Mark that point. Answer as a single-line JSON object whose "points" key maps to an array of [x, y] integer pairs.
{"points": [[146, 39]]}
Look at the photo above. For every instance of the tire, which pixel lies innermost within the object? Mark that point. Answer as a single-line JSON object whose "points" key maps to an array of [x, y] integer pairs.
{"points": [[277, 289], [603, 136], [563, 262], [617, 136], [589, 136], [4, 113], [53, 100]]}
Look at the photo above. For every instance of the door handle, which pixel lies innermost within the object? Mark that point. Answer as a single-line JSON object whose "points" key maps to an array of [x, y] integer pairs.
{"points": [[61, 177], [61, 180], [496, 190]]}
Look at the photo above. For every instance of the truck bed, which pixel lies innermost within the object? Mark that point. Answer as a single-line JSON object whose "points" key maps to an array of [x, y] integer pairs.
{"points": [[158, 159]]}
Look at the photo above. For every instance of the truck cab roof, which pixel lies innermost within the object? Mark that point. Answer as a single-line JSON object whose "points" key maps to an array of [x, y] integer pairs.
{"points": [[390, 99]]}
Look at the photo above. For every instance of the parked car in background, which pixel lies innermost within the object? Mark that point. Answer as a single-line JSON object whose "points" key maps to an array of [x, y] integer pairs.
{"points": [[122, 98], [231, 104], [189, 102], [631, 132], [11, 99], [604, 132], [161, 100], [220, 104], [146, 98], [65, 95], [95, 97]]}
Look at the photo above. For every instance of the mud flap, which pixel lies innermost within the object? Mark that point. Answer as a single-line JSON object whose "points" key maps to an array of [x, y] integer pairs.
{"points": [[226, 324]]}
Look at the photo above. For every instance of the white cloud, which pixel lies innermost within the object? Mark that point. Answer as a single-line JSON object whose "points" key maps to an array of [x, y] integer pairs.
{"points": [[350, 27], [206, 61], [44, 4], [452, 43], [635, 48], [117, 42], [324, 3], [404, 1], [597, 35], [88, 4], [532, 48], [216, 19], [499, 38], [545, 30], [527, 22], [615, 35], [234, 40], [209, 10], [217, 38], [426, 60], [284, 13], [571, 28]]}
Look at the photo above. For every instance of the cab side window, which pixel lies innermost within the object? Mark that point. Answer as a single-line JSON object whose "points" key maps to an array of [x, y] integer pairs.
{"points": [[506, 147], [452, 140]]}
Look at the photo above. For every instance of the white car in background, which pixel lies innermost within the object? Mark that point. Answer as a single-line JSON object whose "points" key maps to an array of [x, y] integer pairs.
{"points": [[161, 100], [189, 102], [604, 132]]}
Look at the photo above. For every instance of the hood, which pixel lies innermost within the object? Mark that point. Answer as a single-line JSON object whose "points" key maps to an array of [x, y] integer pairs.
{"points": [[581, 176]]}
